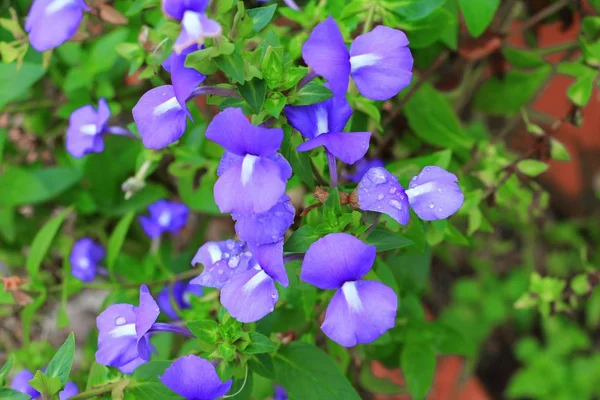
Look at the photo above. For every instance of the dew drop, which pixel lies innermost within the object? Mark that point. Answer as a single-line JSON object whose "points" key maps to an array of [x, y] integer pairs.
{"points": [[226, 255], [392, 190], [271, 309], [427, 168], [440, 190], [275, 238], [220, 271], [234, 261], [439, 210], [248, 254], [396, 204], [230, 244], [278, 213], [273, 295], [380, 197], [431, 205], [376, 176], [261, 220], [120, 321]]}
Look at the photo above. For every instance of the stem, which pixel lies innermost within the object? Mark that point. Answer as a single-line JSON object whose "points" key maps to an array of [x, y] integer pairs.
{"points": [[306, 80], [333, 175], [369, 21], [141, 174], [242, 388], [543, 14], [102, 271], [120, 131], [162, 327], [213, 90], [95, 392], [155, 245]]}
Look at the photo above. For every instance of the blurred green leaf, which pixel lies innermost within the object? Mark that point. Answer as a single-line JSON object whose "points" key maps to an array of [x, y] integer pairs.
{"points": [[532, 167], [14, 82], [61, 363], [261, 16], [385, 240], [42, 241], [46, 385], [418, 367], [478, 14], [115, 242], [21, 186]]}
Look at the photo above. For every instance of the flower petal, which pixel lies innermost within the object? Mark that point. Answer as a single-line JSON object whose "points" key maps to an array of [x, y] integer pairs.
{"points": [[176, 8], [381, 192], [84, 259], [360, 312], [151, 228], [132, 365], [326, 53], [69, 391], [381, 63], [50, 23], [316, 119], [160, 119], [21, 384], [177, 293], [266, 227], [361, 167], [221, 261], [249, 296], [335, 259], [251, 186], [83, 134], [232, 130], [348, 147], [270, 259], [434, 194], [195, 27], [146, 313], [194, 378], [184, 79]]}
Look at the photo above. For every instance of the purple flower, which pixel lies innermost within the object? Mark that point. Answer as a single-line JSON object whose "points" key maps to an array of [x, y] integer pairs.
{"points": [[433, 194], [84, 258], [123, 332], [160, 118], [379, 61], [165, 216], [221, 261], [176, 8], [266, 227], [252, 175], [21, 384], [86, 129], [179, 293], [184, 80], [195, 378], [280, 393], [195, 25], [252, 294], [323, 125], [69, 391], [50, 23], [290, 3], [361, 167], [360, 311]]}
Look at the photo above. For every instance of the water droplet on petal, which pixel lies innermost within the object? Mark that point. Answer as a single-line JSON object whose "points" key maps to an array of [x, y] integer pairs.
{"points": [[392, 190], [120, 321], [230, 244], [380, 197], [431, 205], [271, 309], [376, 176], [275, 238], [278, 213], [225, 255], [439, 210], [261, 220], [274, 295], [234, 261], [220, 271], [440, 190], [396, 204], [427, 168], [248, 254]]}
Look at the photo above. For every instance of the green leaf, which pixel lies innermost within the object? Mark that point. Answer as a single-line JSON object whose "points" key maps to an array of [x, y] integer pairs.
{"points": [[414, 9], [151, 370], [261, 16], [523, 58], [558, 151], [425, 32], [46, 385], [10, 394], [42, 241], [411, 269], [478, 14], [116, 239], [260, 344], [301, 239], [300, 162], [312, 93], [205, 330], [232, 65], [307, 373], [433, 120], [4, 371], [20, 186], [581, 284], [3, 136], [385, 240], [532, 167], [14, 82], [580, 91], [154, 389], [418, 367], [98, 375], [262, 364], [61, 363], [254, 92], [506, 96]]}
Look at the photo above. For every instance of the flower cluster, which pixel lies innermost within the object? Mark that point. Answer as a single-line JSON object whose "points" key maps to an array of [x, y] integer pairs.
{"points": [[20, 383]]}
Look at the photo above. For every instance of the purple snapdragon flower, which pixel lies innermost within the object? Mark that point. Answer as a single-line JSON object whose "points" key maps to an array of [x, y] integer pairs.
{"points": [[50, 23], [266, 227], [323, 125], [183, 79], [85, 258], [195, 378], [178, 293], [21, 384], [361, 167], [160, 118], [221, 261], [252, 175], [433, 194], [360, 311], [123, 340], [250, 295], [195, 25], [86, 129], [69, 391], [165, 216], [379, 61]]}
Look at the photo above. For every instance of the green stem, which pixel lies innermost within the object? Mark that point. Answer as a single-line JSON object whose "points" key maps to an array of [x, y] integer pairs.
{"points": [[369, 22], [89, 394]]}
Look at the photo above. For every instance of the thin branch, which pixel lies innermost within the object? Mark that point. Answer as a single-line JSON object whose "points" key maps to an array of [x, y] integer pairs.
{"points": [[543, 14]]}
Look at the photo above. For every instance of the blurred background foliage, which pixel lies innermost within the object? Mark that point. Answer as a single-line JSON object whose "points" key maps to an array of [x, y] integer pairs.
{"points": [[510, 283]]}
